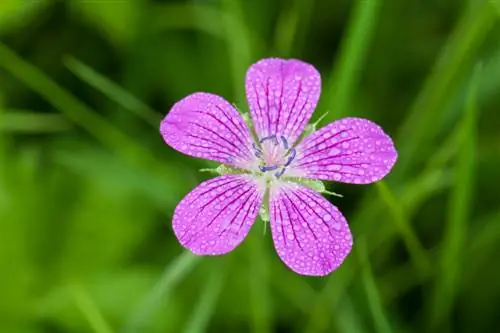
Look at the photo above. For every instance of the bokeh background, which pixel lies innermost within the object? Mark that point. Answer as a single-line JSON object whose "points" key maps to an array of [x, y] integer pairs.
{"points": [[87, 186]]}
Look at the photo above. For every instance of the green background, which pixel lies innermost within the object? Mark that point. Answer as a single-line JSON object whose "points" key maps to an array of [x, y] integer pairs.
{"points": [[87, 186]]}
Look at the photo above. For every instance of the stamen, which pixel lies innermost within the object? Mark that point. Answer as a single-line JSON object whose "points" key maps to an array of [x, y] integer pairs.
{"points": [[271, 137], [285, 143], [266, 168], [293, 153], [258, 152], [280, 173]]}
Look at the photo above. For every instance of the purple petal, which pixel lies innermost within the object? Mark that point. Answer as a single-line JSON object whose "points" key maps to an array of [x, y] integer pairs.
{"points": [[216, 216], [282, 95], [350, 150], [310, 234], [207, 126]]}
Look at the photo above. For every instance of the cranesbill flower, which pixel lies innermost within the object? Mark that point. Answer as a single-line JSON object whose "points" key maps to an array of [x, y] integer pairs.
{"points": [[273, 167]]}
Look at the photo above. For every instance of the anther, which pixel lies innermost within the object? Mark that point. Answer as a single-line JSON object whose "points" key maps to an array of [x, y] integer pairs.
{"points": [[293, 153], [258, 152], [280, 173], [266, 168], [285, 143], [271, 137]]}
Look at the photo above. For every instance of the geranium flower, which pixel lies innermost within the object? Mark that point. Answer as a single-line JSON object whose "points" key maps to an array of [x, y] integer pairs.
{"points": [[271, 168]]}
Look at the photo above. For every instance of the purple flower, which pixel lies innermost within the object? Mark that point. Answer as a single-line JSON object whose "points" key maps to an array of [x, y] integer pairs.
{"points": [[311, 235]]}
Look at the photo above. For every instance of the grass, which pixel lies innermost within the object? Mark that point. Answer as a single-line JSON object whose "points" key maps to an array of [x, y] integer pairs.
{"points": [[87, 188]]}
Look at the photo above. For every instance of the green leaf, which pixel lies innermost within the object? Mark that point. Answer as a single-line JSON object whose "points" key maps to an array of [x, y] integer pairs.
{"points": [[423, 121], [118, 20], [171, 276], [32, 122], [374, 301], [15, 13], [353, 52], [113, 91], [89, 310], [459, 211], [206, 306], [403, 225]]}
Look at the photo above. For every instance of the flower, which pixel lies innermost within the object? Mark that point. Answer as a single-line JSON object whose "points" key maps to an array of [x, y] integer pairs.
{"points": [[311, 236]]}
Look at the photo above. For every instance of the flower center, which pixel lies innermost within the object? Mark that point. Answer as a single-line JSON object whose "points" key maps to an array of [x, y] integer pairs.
{"points": [[274, 154]]}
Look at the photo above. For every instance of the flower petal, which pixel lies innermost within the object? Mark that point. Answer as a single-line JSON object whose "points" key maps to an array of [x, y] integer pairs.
{"points": [[350, 150], [282, 95], [207, 126], [310, 234], [216, 216]]}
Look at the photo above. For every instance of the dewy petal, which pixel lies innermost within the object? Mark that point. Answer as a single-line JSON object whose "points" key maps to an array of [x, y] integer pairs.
{"points": [[216, 216], [310, 235], [282, 95], [207, 126], [350, 150]]}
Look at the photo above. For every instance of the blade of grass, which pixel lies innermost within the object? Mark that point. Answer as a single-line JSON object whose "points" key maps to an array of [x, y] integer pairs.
{"points": [[67, 104], [258, 286], [204, 18], [289, 24], [422, 123], [80, 114], [403, 224], [206, 305], [328, 299], [89, 309], [459, 210], [170, 277], [239, 44], [353, 51], [337, 284], [348, 318], [113, 91], [32, 122], [496, 4], [400, 279], [373, 296]]}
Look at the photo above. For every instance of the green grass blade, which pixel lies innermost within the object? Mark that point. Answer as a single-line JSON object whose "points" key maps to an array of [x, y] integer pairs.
{"points": [[258, 284], [374, 301], [113, 91], [327, 300], [400, 218], [458, 214], [422, 124], [172, 16], [171, 276], [349, 64], [207, 304], [239, 44], [288, 25], [32, 122], [89, 309], [88, 119], [496, 4], [67, 103]]}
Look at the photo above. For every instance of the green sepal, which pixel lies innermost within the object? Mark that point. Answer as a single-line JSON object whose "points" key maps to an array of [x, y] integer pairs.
{"points": [[311, 128], [264, 213], [316, 185], [224, 170]]}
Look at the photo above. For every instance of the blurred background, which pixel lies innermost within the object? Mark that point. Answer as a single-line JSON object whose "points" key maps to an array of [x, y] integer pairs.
{"points": [[88, 188]]}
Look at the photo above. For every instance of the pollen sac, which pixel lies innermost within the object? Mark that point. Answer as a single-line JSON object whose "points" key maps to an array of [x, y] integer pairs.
{"points": [[274, 154]]}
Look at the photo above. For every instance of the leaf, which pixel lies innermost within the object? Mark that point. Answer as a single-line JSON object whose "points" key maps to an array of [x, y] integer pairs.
{"points": [[171, 276], [32, 122], [206, 305], [118, 20], [459, 210], [353, 52]]}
